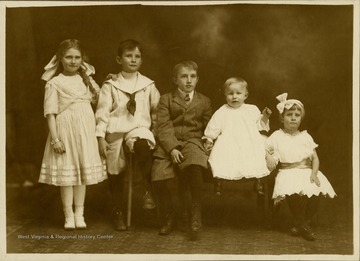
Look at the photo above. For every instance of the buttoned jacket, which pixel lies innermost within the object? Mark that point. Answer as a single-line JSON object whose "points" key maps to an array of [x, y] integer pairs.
{"points": [[178, 122]]}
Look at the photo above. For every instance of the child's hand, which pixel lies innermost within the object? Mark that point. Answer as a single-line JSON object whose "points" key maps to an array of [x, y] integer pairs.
{"points": [[103, 146], [111, 76], [266, 112], [315, 179], [176, 156], [59, 147], [208, 145], [270, 162]]}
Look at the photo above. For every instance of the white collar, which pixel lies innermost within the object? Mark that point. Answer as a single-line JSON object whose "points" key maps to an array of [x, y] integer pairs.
{"points": [[183, 94], [141, 83]]}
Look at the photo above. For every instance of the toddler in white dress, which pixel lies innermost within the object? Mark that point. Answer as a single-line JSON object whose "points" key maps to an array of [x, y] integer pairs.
{"points": [[232, 135]]}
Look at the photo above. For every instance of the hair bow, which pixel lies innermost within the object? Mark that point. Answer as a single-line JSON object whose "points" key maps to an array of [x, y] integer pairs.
{"points": [[286, 104], [52, 66]]}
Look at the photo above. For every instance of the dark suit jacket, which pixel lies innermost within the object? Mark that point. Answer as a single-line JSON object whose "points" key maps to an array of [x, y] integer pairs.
{"points": [[178, 123]]}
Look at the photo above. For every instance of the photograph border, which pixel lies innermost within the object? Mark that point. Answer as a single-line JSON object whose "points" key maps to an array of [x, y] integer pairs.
{"points": [[89, 257]]}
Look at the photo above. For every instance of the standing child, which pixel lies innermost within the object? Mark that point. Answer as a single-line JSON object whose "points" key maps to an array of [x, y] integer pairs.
{"points": [[182, 117], [71, 158], [299, 179], [232, 135], [126, 113]]}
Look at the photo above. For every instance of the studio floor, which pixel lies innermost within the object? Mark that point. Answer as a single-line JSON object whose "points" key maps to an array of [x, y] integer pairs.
{"points": [[232, 226]]}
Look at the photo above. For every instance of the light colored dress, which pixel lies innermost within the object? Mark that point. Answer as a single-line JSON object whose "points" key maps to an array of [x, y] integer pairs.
{"points": [[239, 149], [295, 152], [69, 99]]}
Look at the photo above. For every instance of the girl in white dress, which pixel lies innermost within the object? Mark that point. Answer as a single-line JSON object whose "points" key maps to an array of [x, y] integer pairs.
{"points": [[232, 135], [71, 157], [299, 179]]}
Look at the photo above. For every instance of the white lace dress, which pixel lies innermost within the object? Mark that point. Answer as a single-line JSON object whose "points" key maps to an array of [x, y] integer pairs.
{"points": [[295, 150], [239, 149], [69, 99]]}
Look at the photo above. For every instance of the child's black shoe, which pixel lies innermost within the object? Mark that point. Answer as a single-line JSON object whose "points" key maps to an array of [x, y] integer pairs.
{"points": [[148, 201], [168, 225], [307, 232], [119, 224]]}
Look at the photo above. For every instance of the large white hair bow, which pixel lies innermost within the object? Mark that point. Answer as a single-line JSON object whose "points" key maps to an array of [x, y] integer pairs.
{"points": [[52, 66], [287, 104]]}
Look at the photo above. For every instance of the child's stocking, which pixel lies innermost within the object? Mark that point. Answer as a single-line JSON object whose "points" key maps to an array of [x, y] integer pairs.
{"points": [[195, 180], [195, 183], [311, 208], [79, 199], [144, 159], [297, 205], [183, 200], [66, 193], [116, 183], [165, 207]]}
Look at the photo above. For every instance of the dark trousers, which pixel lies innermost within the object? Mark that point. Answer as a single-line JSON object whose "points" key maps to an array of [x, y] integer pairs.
{"points": [[116, 184], [144, 158]]}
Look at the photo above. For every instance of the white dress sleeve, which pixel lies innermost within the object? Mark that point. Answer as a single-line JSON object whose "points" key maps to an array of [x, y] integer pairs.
{"points": [[154, 98], [214, 126], [271, 147], [51, 102], [103, 110], [309, 144], [262, 126]]}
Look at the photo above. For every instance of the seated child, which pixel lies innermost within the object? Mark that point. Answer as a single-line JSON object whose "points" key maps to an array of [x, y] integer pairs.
{"points": [[181, 120], [126, 114], [232, 135]]}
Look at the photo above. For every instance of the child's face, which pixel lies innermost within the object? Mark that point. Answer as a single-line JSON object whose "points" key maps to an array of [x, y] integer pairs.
{"points": [[130, 60], [236, 94], [186, 79], [71, 61], [292, 119]]}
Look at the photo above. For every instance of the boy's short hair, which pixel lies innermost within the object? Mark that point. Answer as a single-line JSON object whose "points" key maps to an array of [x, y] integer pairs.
{"points": [[186, 64], [232, 80], [129, 44]]}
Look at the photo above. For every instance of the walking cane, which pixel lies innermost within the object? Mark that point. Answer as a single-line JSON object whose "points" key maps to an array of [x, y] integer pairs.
{"points": [[130, 171]]}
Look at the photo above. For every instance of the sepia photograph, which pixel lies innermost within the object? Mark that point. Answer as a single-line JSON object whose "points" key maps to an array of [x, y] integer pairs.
{"points": [[179, 130]]}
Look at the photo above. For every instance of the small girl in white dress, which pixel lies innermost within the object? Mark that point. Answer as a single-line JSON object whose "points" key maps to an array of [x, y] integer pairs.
{"points": [[299, 179], [232, 135]]}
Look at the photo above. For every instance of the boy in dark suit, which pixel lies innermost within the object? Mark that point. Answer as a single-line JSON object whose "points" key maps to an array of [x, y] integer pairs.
{"points": [[181, 119]]}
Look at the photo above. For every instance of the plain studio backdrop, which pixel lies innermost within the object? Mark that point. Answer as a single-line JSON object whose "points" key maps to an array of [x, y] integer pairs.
{"points": [[304, 50]]}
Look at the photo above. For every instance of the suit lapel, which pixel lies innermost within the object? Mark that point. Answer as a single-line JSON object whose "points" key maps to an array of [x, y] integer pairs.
{"points": [[195, 101], [178, 99]]}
